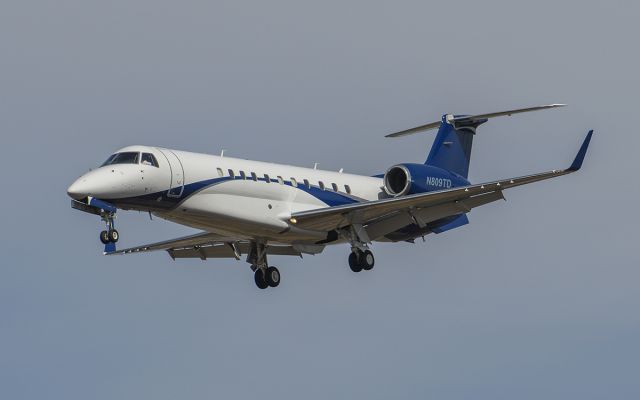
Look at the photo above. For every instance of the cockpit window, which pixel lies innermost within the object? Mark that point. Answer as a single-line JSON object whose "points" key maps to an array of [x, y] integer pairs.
{"points": [[122, 158], [149, 159]]}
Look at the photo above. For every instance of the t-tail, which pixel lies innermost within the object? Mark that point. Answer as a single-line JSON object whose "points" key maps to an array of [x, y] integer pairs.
{"points": [[451, 150]]}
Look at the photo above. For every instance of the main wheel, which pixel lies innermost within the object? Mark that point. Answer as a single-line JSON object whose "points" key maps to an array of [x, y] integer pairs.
{"points": [[259, 277], [104, 237], [273, 277], [114, 235], [354, 262], [367, 260]]}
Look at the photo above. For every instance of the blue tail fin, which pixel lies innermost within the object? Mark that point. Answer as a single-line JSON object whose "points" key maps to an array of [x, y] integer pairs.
{"points": [[451, 149]]}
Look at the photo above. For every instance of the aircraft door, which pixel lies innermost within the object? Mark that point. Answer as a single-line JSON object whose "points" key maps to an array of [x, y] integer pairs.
{"points": [[177, 173]]}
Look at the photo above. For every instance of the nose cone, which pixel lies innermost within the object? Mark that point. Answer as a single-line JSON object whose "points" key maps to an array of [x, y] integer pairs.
{"points": [[78, 189], [108, 183], [93, 183]]}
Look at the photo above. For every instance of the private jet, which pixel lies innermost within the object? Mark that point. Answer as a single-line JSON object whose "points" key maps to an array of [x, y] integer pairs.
{"points": [[253, 209]]}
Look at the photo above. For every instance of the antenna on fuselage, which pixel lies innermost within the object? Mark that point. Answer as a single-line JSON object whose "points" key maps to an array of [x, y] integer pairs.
{"points": [[222, 153], [315, 165]]}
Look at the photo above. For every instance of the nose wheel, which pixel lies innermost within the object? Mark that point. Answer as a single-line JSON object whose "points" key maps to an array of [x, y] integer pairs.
{"points": [[110, 236]]}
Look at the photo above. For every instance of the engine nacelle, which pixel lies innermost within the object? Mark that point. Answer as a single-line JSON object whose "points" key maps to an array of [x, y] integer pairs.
{"points": [[404, 179]]}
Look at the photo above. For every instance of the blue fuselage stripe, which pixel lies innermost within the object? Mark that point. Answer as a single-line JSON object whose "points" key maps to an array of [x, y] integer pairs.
{"points": [[161, 200]]}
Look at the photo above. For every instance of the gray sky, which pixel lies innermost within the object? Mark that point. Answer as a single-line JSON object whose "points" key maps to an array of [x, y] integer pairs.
{"points": [[537, 298]]}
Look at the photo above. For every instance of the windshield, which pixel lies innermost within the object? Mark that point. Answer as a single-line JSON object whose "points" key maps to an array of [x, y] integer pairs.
{"points": [[122, 158]]}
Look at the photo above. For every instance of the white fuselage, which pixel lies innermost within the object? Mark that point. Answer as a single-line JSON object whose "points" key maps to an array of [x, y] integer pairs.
{"points": [[224, 195]]}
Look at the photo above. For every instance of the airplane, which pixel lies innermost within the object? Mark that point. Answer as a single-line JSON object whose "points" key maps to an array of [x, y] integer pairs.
{"points": [[255, 209]]}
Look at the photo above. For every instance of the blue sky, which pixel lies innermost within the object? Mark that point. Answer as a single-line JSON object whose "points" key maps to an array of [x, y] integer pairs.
{"points": [[536, 298]]}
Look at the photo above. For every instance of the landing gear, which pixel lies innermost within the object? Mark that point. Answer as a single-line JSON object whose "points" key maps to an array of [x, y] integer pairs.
{"points": [[361, 260], [110, 235], [273, 276], [264, 275], [261, 278], [367, 260], [354, 262], [267, 277], [104, 237]]}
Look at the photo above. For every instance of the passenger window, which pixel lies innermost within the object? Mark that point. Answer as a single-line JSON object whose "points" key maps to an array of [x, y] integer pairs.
{"points": [[335, 187], [293, 182], [280, 180], [321, 184], [266, 178], [242, 175], [307, 184], [254, 176], [231, 174], [149, 159], [347, 188], [220, 173]]}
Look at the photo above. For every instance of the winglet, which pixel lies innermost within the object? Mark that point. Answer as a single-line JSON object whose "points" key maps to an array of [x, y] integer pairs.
{"points": [[577, 162]]}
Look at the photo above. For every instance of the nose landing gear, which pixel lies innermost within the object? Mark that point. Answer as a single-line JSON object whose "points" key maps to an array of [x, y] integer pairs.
{"points": [[107, 213], [110, 236]]}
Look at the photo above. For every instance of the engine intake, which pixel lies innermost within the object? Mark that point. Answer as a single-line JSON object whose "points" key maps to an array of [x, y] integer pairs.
{"points": [[397, 181]]}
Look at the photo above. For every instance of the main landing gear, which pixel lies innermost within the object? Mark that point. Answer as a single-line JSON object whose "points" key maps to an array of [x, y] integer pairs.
{"points": [[361, 260], [267, 277], [264, 275]]}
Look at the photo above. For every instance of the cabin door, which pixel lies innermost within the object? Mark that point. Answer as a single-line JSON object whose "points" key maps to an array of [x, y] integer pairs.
{"points": [[177, 173]]}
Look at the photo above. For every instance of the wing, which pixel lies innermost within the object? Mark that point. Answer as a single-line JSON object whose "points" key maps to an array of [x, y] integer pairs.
{"points": [[384, 216], [206, 245]]}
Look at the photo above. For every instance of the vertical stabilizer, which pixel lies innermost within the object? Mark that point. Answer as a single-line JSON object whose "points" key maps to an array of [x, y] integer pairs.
{"points": [[451, 149]]}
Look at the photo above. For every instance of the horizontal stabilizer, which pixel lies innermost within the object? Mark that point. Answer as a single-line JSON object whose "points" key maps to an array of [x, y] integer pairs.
{"points": [[466, 119]]}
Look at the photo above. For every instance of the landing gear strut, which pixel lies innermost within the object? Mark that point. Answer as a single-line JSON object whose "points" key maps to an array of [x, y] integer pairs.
{"points": [[264, 275], [361, 260]]}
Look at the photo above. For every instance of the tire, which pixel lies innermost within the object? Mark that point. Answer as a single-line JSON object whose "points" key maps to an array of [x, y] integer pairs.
{"points": [[114, 235], [104, 237], [354, 262], [259, 277], [367, 260], [272, 277]]}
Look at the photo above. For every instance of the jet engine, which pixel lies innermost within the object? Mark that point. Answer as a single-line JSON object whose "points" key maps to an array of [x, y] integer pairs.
{"points": [[404, 179]]}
